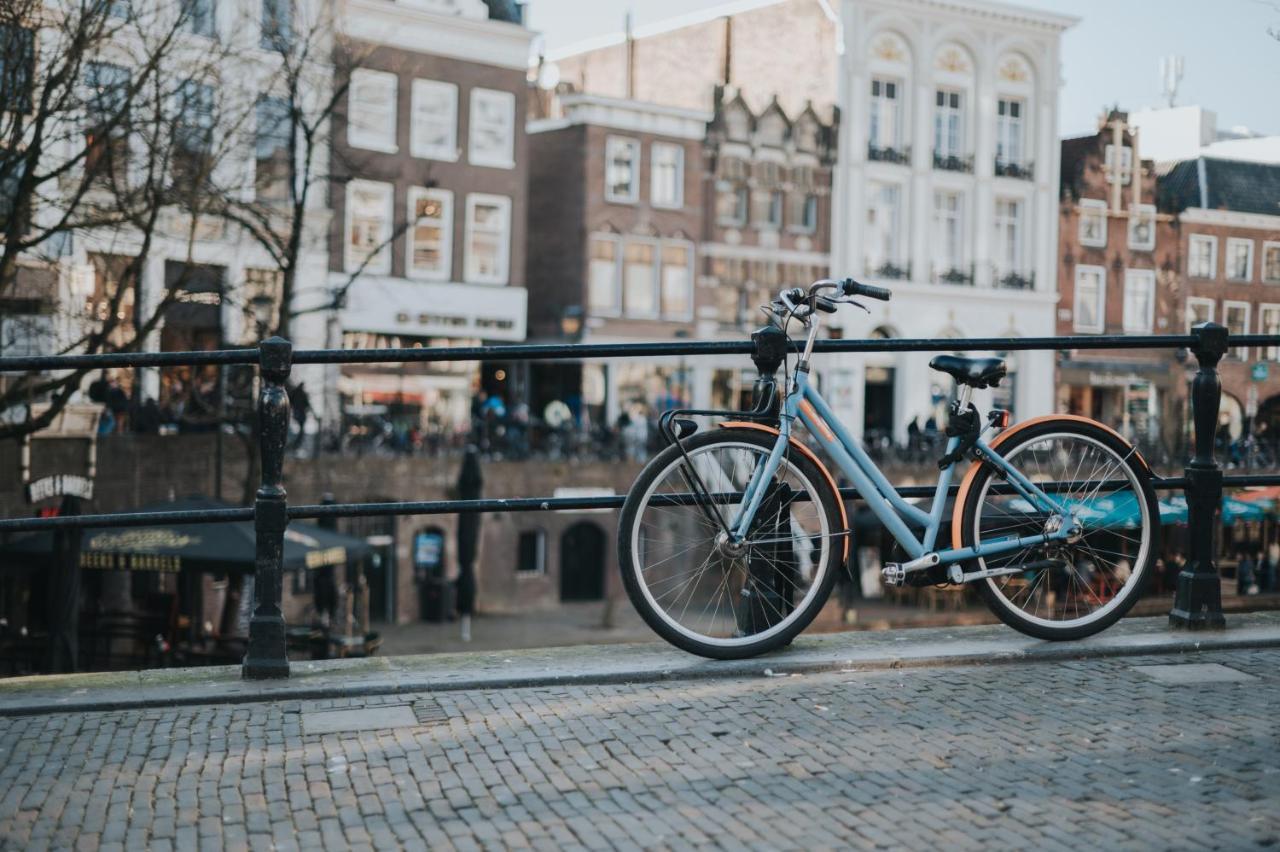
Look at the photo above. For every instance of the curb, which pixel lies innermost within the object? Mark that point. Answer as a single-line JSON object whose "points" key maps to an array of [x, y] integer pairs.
{"points": [[390, 682]]}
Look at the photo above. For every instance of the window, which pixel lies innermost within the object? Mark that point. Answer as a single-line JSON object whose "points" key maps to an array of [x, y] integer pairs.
{"points": [[371, 112], [677, 281], [492, 132], [430, 233], [106, 125], [1239, 259], [17, 67], [638, 280], [1139, 300], [731, 204], [1093, 222], [1142, 227], [885, 124], [1199, 311], [768, 214], [602, 276], [804, 218], [948, 124], [277, 24], [193, 133], [948, 230], [1009, 131], [666, 175], [1271, 263], [1009, 229], [488, 238], [368, 226], [531, 552], [1090, 309], [883, 216], [1202, 256], [1235, 316], [433, 131], [272, 150], [621, 170], [199, 16], [1269, 323], [1125, 166]]}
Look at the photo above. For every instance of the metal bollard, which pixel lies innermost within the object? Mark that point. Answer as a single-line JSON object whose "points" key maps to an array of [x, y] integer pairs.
{"points": [[267, 655], [1198, 602]]}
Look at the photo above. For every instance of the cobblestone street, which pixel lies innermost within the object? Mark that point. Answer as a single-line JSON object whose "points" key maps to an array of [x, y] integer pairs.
{"points": [[1102, 753]]}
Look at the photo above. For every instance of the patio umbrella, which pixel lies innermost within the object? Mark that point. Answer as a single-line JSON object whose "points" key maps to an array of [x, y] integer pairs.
{"points": [[470, 486], [170, 548]]}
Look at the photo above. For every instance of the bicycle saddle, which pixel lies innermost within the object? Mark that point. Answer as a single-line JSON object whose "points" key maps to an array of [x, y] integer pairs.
{"points": [[975, 372]]}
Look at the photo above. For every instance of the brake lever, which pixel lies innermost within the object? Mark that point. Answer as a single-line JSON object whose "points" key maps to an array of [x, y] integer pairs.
{"points": [[848, 301]]}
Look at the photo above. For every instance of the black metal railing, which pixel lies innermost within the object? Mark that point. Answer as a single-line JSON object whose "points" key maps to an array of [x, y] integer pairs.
{"points": [[1197, 603], [900, 154], [1011, 169], [952, 162]]}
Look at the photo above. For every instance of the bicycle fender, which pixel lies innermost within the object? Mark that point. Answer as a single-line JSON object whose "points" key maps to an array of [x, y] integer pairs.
{"points": [[962, 495], [813, 457]]}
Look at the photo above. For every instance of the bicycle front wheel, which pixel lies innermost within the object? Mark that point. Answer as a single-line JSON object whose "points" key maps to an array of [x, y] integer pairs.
{"points": [[700, 592], [1076, 587]]}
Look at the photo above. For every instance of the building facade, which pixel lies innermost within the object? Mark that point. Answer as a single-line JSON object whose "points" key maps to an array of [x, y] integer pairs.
{"points": [[946, 191], [1118, 273], [429, 202], [1228, 231]]}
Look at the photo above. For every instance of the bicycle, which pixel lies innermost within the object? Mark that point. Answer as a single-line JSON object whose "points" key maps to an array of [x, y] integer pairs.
{"points": [[730, 539]]}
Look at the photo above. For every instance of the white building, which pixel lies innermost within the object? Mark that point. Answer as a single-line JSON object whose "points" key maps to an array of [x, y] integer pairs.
{"points": [[946, 192]]}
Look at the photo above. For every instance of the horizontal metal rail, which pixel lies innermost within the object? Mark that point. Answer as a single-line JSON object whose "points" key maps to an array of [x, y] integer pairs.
{"points": [[583, 351], [487, 505]]}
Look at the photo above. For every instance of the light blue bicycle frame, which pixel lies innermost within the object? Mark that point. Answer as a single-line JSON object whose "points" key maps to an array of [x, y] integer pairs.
{"points": [[897, 515]]}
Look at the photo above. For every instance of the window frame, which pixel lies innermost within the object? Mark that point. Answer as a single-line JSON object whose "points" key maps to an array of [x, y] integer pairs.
{"points": [[1212, 242], [356, 137], [540, 539], [616, 308], [957, 263], [418, 147], [678, 202], [505, 159], [1198, 300], [187, 7], [1101, 325], [373, 267], [1015, 127], [875, 113], [281, 36], [1268, 353], [612, 142], [446, 226], [1142, 210], [876, 203], [688, 247], [1147, 323], [1226, 264], [1240, 353], [1125, 166], [1089, 207], [1262, 272], [1019, 229], [258, 116], [655, 282], [474, 199], [942, 131]]}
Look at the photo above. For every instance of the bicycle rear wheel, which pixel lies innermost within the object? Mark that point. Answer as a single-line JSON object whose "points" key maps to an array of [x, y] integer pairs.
{"points": [[696, 590], [1080, 586]]}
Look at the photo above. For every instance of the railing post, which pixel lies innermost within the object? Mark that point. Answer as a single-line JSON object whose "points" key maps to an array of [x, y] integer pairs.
{"points": [[267, 655], [1198, 602]]}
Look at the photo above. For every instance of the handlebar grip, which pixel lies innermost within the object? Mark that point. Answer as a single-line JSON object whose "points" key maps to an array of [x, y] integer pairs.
{"points": [[852, 288]]}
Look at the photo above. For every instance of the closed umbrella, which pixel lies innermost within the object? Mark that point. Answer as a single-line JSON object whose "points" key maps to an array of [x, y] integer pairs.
{"points": [[470, 486]]}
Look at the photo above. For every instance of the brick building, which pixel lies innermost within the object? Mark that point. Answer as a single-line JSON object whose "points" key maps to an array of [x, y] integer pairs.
{"points": [[429, 200], [1228, 223], [1118, 273]]}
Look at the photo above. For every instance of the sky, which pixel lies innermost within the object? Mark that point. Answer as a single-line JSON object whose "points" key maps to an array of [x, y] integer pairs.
{"points": [[1231, 63]]}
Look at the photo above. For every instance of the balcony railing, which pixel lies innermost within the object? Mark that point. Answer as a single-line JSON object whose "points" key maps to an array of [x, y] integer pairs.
{"points": [[1014, 280], [889, 153], [888, 269], [1021, 171], [952, 163], [954, 275]]}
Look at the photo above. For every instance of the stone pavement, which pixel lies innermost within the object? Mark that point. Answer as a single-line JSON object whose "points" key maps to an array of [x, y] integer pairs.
{"points": [[1112, 752]]}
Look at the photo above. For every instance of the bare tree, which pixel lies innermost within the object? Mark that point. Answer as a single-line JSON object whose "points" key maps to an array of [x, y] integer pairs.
{"points": [[106, 139]]}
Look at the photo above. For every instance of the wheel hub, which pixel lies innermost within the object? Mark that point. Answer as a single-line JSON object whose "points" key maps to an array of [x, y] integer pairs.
{"points": [[728, 547]]}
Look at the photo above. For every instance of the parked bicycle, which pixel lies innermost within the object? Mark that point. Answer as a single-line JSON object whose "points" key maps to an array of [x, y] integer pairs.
{"points": [[731, 538]]}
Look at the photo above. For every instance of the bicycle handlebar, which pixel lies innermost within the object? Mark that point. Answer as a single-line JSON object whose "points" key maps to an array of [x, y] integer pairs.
{"points": [[853, 288]]}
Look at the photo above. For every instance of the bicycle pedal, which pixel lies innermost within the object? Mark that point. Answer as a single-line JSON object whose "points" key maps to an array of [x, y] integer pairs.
{"points": [[894, 574]]}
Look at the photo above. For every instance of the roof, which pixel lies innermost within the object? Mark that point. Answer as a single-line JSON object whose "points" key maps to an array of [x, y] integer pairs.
{"points": [[1213, 184]]}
